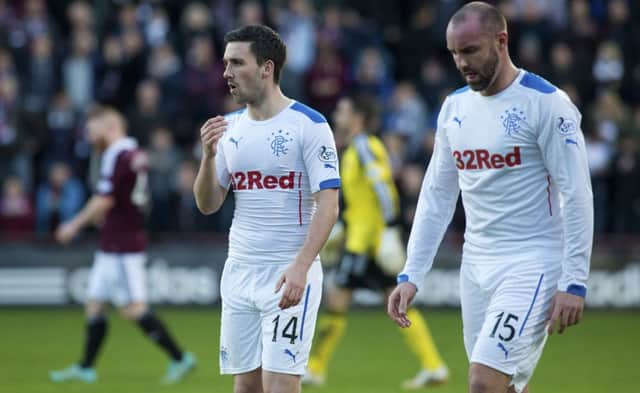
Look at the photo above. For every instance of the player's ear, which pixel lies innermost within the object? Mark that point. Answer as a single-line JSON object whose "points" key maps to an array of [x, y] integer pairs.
{"points": [[503, 39], [268, 68]]}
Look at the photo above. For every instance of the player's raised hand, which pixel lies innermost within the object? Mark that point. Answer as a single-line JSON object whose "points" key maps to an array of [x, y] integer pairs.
{"points": [[566, 309], [210, 132], [399, 301], [294, 280]]}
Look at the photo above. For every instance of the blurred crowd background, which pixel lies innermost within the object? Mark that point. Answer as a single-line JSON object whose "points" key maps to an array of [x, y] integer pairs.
{"points": [[159, 62]]}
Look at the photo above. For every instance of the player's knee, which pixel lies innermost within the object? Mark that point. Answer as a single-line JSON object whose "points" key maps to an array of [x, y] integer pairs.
{"points": [[247, 386], [133, 312], [93, 309], [483, 382]]}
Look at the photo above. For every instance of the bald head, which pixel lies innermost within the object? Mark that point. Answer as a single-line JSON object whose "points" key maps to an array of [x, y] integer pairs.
{"points": [[105, 126], [489, 17]]}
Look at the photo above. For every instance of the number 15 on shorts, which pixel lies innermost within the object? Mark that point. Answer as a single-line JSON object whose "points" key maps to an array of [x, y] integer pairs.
{"points": [[505, 326]]}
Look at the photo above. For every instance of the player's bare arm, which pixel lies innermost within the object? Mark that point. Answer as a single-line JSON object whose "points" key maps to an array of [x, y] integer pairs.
{"points": [[208, 192], [295, 277], [93, 211]]}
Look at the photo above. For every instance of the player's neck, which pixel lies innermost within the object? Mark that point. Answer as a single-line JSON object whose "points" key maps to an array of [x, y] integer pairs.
{"points": [[504, 79], [273, 103]]}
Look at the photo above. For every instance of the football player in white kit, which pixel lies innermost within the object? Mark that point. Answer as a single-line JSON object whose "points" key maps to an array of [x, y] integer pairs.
{"points": [[510, 143], [279, 157]]}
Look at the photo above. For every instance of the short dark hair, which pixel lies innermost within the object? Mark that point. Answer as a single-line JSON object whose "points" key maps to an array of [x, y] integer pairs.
{"points": [[490, 17], [266, 44], [368, 107]]}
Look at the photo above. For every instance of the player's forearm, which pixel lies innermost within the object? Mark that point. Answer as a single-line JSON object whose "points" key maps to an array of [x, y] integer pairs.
{"points": [[578, 235], [206, 189], [93, 211], [323, 220]]}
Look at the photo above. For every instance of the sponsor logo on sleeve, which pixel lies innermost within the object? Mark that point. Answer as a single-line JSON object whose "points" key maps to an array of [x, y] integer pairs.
{"points": [[328, 154], [566, 126]]}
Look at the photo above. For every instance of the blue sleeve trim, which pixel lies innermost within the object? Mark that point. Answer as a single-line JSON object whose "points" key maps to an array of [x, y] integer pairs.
{"points": [[402, 278], [538, 83], [331, 183], [311, 113], [577, 290]]}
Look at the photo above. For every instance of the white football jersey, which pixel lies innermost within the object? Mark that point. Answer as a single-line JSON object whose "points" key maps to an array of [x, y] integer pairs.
{"points": [[274, 167], [514, 157]]}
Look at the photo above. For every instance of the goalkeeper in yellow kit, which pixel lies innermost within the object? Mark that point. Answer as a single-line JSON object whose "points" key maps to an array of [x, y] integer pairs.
{"points": [[373, 251]]}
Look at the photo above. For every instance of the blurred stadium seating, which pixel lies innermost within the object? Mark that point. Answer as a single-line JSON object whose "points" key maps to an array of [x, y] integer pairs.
{"points": [[160, 63]]}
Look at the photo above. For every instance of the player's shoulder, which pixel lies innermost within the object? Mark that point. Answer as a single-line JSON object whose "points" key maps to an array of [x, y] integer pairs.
{"points": [[367, 145], [115, 151], [537, 84], [375, 144], [307, 113], [546, 93]]}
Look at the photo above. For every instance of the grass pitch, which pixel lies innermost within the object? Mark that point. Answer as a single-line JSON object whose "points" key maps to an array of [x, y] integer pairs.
{"points": [[599, 355]]}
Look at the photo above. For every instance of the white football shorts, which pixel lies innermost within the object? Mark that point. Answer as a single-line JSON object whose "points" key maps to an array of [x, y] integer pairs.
{"points": [[118, 278], [255, 332], [504, 308]]}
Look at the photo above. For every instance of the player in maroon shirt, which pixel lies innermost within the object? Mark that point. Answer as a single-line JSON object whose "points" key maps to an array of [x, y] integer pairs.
{"points": [[118, 274]]}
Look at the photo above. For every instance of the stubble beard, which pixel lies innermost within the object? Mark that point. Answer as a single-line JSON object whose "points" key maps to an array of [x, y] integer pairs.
{"points": [[487, 75]]}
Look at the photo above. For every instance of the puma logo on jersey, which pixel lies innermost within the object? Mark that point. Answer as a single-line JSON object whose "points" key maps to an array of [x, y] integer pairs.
{"points": [[569, 141], [483, 159], [330, 166], [235, 142], [458, 120], [504, 349], [255, 180]]}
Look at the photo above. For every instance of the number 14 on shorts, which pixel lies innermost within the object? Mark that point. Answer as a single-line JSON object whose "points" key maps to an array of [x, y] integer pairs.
{"points": [[289, 331]]}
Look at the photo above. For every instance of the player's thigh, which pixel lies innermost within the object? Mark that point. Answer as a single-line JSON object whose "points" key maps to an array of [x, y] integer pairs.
{"points": [[513, 333], [287, 334], [102, 277], [474, 301], [240, 325], [339, 299], [131, 285], [280, 383]]}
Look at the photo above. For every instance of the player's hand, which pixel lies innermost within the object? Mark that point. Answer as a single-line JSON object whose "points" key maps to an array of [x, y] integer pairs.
{"points": [[210, 132], [566, 309], [294, 280], [399, 301], [66, 232]]}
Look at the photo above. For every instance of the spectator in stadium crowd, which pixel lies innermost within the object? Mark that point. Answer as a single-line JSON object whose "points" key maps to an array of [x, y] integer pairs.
{"points": [[147, 114], [17, 215], [58, 199], [164, 161]]}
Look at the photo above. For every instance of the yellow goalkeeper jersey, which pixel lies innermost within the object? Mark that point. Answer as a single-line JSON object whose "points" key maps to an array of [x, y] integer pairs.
{"points": [[370, 196]]}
